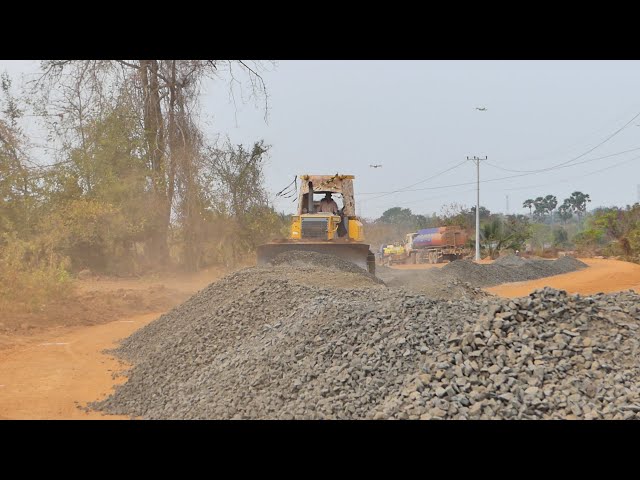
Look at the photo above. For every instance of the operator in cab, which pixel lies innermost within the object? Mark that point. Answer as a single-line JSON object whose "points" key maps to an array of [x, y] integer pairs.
{"points": [[328, 205]]}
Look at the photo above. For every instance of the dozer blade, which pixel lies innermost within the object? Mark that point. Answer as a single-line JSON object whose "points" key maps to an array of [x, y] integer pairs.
{"points": [[356, 253]]}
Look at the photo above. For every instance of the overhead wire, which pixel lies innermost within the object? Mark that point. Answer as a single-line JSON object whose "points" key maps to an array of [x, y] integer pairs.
{"points": [[502, 178], [560, 165], [568, 163], [384, 194]]}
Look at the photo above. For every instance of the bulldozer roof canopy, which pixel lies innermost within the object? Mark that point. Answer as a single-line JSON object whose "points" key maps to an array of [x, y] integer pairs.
{"points": [[337, 175], [328, 183]]}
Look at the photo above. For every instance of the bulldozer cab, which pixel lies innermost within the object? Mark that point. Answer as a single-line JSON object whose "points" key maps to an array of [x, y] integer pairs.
{"points": [[315, 187]]}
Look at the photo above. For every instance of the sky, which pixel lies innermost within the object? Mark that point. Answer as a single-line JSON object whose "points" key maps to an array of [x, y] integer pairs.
{"points": [[418, 119]]}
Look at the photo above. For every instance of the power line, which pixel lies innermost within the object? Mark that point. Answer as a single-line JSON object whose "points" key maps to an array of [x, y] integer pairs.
{"points": [[433, 198], [579, 156], [610, 167], [404, 204], [565, 164], [501, 178], [384, 194], [578, 142]]}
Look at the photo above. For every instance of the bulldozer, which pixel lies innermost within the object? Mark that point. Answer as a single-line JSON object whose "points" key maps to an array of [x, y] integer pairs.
{"points": [[340, 234]]}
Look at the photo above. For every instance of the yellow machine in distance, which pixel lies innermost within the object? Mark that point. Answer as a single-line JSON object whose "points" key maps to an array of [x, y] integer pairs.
{"points": [[337, 233], [394, 249]]}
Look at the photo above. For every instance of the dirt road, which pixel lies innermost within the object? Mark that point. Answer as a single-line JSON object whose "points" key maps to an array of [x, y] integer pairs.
{"points": [[49, 377], [420, 266], [46, 372], [603, 275]]}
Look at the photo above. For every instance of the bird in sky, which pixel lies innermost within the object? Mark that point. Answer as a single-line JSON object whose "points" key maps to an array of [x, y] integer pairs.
{"points": [[375, 166], [482, 109]]}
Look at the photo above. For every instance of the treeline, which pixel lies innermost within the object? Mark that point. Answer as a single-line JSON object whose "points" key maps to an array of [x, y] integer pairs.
{"points": [[612, 231], [544, 208], [129, 181], [547, 229], [497, 232], [608, 231]]}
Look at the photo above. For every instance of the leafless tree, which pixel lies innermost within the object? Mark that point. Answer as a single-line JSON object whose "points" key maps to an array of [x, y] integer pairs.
{"points": [[234, 177], [167, 92]]}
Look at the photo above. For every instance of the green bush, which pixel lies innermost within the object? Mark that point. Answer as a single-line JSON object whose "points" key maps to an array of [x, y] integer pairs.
{"points": [[30, 276]]}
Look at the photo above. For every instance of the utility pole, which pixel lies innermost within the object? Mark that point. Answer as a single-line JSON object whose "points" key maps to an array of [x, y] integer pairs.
{"points": [[507, 204], [477, 161]]}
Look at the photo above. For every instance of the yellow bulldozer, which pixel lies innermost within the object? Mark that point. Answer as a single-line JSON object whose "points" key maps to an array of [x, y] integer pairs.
{"points": [[336, 232]]}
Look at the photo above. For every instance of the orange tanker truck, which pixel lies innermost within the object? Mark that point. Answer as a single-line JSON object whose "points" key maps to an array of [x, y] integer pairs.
{"points": [[433, 245]]}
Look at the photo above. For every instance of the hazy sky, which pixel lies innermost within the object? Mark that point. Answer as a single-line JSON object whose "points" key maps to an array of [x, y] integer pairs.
{"points": [[418, 118]]}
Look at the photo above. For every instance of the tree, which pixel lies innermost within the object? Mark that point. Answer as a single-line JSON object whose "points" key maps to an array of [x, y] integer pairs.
{"points": [[235, 179], [17, 183], [620, 225], [560, 238], [578, 203], [455, 214], [550, 203], [484, 213], [397, 216], [497, 234], [541, 237], [166, 92], [540, 208], [529, 203], [543, 206], [564, 212]]}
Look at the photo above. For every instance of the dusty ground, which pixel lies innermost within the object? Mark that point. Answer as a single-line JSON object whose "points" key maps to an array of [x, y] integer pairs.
{"points": [[422, 266], [603, 275], [97, 301], [47, 370], [56, 364], [46, 378]]}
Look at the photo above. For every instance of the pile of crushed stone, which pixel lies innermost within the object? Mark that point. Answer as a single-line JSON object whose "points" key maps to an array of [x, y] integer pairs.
{"points": [[546, 356], [466, 278], [507, 270], [510, 260], [255, 347], [299, 258], [261, 343]]}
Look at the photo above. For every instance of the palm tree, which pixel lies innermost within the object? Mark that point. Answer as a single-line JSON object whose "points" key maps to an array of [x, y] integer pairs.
{"points": [[490, 232], [528, 204], [496, 235], [550, 203], [564, 211], [578, 202], [540, 207]]}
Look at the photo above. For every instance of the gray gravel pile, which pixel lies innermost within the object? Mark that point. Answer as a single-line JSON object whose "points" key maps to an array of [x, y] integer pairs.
{"points": [[510, 260], [549, 355], [250, 347], [509, 270], [568, 264], [298, 258], [455, 289], [434, 282]]}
